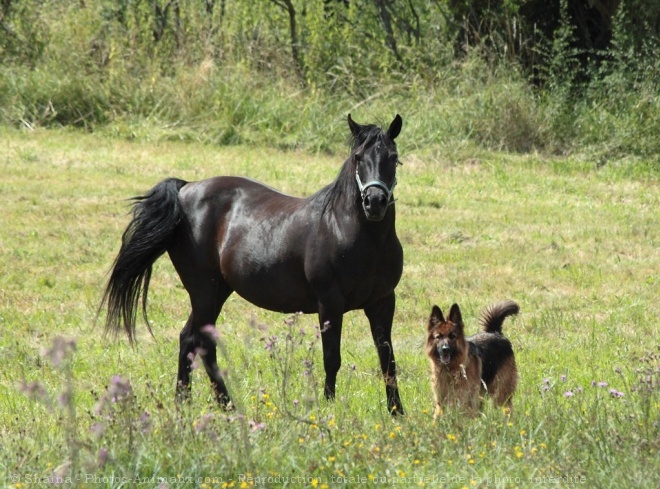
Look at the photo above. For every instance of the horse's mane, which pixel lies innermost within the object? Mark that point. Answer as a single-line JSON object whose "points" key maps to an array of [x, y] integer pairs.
{"points": [[345, 185]]}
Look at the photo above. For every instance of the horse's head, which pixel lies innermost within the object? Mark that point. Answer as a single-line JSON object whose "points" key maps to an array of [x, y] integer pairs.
{"points": [[376, 159]]}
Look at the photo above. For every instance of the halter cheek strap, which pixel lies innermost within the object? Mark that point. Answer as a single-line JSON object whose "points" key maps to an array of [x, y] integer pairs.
{"points": [[375, 183]]}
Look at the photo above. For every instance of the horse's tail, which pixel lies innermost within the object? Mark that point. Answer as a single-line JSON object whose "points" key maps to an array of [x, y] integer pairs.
{"points": [[155, 218]]}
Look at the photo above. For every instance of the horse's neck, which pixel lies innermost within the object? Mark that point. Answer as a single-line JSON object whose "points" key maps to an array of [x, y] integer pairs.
{"points": [[350, 223], [342, 210]]}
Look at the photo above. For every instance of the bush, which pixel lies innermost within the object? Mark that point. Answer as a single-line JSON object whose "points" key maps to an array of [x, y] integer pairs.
{"points": [[234, 73]]}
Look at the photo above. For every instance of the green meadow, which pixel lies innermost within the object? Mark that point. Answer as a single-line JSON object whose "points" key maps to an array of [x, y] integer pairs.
{"points": [[574, 240]]}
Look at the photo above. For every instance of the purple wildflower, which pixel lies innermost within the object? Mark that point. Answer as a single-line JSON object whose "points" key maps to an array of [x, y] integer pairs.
{"points": [[97, 430], [546, 384], [34, 390], [568, 394], [615, 393], [60, 473], [289, 321], [602, 384], [191, 358], [258, 326], [563, 378], [145, 421], [270, 343], [65, 398], [119, 388], [211, 331], [307, 364], [103, 457], [59, 350], [254, 426], [202, 424]]}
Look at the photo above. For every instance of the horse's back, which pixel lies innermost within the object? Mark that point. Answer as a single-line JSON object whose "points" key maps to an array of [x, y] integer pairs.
{"points": [[231, 188]]}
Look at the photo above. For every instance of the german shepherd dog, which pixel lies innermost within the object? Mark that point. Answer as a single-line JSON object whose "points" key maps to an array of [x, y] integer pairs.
{"points": [[464, 368]]}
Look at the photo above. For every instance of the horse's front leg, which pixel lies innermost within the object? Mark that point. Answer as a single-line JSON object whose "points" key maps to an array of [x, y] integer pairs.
{"points": [[381, 315], [330, 320]]}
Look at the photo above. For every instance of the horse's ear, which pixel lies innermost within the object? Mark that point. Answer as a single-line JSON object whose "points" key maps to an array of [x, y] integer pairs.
{"points": [[354, 126], [395, 127]]}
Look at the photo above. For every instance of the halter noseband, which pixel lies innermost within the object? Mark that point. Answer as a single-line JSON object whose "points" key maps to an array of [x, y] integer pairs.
{"points": [[375, 183]]}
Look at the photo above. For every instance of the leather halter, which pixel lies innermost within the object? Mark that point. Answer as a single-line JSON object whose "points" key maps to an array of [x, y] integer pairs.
{"points": [[376, 183]]}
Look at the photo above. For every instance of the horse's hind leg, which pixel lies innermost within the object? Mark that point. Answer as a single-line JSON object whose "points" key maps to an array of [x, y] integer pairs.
{"points": [[207, 300], [186, 357], [380, 316], [209, 357]]}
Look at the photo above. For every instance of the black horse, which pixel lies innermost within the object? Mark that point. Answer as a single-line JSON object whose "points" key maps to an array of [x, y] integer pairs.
{"points": [[330, 253]]}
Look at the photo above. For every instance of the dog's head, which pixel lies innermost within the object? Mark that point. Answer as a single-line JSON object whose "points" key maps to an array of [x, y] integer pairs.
{"points": [[445, 342]]}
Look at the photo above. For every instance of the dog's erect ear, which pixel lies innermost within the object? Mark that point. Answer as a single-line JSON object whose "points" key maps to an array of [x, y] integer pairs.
{"points": [[436, 317], [455, 315]]}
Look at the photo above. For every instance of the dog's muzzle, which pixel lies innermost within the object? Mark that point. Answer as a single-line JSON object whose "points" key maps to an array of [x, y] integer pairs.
{"points": [[444, 353]]}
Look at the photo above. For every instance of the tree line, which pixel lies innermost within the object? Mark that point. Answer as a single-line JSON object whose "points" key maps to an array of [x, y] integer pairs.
{"points": [[316, 42]]}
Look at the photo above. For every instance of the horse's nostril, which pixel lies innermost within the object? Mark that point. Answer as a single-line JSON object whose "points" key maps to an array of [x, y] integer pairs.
{"points": [[372, 202]]}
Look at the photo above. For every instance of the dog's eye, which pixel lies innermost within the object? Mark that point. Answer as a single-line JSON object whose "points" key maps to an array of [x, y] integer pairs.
{"points": [[436, 336], [452, 336]]}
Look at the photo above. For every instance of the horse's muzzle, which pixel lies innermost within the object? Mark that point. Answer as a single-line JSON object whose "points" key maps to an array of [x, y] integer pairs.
{"points": [[376, 197], [375, 203]]}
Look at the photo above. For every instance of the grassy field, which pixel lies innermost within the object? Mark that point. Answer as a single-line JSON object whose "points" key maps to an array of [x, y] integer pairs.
{"points": [[576, 244]]}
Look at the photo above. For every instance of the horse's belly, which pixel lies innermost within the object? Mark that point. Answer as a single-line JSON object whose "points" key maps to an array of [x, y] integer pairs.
{"points": [[281, 304], [279, 288]]}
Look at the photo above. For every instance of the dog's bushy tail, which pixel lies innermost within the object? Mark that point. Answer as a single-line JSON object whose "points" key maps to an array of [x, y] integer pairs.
{"points": [[494, 315]]}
